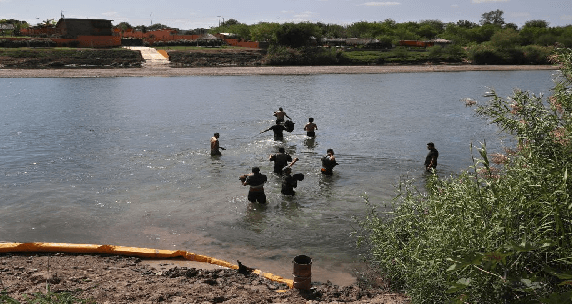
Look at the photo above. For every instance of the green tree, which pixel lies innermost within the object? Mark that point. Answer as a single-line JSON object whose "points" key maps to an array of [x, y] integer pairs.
{"points": [[363, 29], [124, 26], [484, 33], [492, 17], [297, 35], [230, 22], [437, 25], [264, 31], [466, 24], [511, 25], [460, 35], [407, 31], [536, 23], [505, 39], [157, 26], [427, 32], [565, 36], [331, 30]]}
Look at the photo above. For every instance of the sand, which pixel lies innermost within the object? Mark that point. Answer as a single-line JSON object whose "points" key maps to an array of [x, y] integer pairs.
{"points": [[165, 71]]}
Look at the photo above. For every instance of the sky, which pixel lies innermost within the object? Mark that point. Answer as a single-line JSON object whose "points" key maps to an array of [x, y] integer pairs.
{"points": [[184, 14]]}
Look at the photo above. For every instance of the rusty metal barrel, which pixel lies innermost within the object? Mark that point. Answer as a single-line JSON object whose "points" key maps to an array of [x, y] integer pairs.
{"points": [[302, 272]]}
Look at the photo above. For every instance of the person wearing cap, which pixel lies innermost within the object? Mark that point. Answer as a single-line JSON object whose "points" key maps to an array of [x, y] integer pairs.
{"points": [[310, 128], [431, 159], [280, 116], [256, 182], [280, 160]]}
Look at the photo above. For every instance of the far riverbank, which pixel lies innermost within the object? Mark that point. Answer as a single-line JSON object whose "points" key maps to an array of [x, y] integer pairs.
{"points": [[263, 70]]}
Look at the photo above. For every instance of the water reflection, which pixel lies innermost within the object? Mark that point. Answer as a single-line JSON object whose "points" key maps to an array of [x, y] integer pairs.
{"points": [[310, 142]]}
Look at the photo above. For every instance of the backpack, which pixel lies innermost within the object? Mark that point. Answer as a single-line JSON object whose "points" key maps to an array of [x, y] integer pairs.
{"points": [[289, 126]]}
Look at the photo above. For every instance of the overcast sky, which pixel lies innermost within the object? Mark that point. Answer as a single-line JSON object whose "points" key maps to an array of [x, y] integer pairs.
{"points": [[184, 14]]}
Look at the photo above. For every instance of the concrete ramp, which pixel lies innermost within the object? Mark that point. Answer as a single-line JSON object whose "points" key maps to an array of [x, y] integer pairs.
{"points": [[151, 56]]}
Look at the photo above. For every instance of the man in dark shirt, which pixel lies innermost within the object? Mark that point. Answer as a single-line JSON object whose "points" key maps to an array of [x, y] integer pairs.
{"points": [[431, 159], [256, 182], [278, 130], [280, 160], [289, 182]]}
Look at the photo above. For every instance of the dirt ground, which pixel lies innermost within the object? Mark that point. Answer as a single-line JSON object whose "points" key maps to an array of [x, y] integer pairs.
{"points": [[263, 70], [119, 279]]}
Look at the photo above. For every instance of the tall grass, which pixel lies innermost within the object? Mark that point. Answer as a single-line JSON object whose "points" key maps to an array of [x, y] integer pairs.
{"points": [[499, 232]]}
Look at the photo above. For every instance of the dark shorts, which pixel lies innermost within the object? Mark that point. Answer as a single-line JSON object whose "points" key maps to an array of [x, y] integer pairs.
{"points": [[311, 134], [259, 197], [215, 153]]}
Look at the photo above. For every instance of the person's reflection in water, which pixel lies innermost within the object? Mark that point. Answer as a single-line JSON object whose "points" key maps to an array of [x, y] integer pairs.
{"points": [[310, 142], [255, 217]]}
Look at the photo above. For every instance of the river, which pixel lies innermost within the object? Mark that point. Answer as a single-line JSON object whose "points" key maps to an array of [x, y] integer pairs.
{"points": [[125, 161]]}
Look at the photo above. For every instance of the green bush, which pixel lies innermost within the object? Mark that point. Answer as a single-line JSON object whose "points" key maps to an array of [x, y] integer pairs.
{"points": [[537, 54], [282, 55], [499, 232], [485, 54]]}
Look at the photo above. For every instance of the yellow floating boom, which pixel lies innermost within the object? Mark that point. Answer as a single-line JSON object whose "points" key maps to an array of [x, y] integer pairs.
{"points": [[128, 251]]}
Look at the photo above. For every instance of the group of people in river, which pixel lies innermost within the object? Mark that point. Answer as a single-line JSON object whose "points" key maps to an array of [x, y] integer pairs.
{"points": [[283, 162]]}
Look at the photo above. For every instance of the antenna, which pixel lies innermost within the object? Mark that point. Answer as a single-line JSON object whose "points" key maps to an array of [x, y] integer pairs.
{"points": [[62, 14], [151, 16]]}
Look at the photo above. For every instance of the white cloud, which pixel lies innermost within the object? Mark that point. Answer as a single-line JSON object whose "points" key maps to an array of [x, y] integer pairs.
{"points": [[566, 17], [489, 1], [455, 5], [380, 4]]}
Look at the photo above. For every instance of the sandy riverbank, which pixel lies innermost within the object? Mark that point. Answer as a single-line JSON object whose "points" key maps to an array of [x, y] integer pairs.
{"points": [[162, 71], [119, 279]]}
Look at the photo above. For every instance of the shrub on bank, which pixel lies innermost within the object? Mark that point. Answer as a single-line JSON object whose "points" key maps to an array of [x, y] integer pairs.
{"points": [[10, 43], [59, 57], [282, 55], [489, 54], [501, 231]]}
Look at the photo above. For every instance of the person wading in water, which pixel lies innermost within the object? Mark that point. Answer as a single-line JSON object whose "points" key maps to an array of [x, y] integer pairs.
{"points": [[431, 159], [280, 116], [280, 160], [310, 128], [329, 162], [215, 148], [256, 182]]}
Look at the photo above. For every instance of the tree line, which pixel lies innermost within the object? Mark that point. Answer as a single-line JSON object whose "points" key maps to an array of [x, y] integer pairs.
{"points": [[491, 28]]}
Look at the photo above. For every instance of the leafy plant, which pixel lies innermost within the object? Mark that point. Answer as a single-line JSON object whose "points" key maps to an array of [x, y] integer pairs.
{"points": [[500, 231]]}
